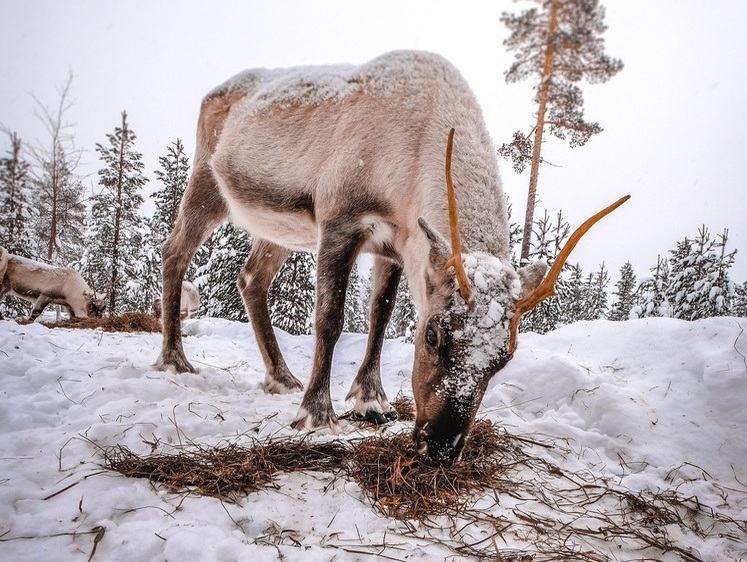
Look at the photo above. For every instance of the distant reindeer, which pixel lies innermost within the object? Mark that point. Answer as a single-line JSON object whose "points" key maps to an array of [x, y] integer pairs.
{"points": [[45, 284], [349, 159], [190, 302]]}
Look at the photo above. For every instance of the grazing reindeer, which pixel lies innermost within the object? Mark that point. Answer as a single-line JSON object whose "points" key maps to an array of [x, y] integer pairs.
{"points": [[190, 302], [45, 284], [343, 160]]}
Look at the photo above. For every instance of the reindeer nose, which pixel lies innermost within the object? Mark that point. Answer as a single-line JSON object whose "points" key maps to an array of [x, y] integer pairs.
{"points": [[436, 452]]}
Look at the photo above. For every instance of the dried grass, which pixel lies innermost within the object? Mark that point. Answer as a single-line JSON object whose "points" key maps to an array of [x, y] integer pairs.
{"points": [[127, 322]]}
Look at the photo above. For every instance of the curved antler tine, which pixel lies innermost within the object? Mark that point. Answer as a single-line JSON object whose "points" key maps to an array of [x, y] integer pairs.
{"points": [[546, 289], [456, 240]]}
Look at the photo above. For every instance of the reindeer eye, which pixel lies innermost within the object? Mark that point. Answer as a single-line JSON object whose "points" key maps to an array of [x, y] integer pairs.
{"points": [[431, 337]]}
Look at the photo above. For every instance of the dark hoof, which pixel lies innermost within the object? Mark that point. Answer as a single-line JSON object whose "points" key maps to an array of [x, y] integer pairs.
{"points": [[375, 417]]}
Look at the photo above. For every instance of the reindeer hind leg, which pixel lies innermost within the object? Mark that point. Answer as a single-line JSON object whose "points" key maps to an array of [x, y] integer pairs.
{"points": [[264, 261]]}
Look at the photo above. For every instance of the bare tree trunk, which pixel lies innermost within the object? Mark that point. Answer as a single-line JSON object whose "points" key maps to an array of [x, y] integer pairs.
{"points": [[538, 131]]}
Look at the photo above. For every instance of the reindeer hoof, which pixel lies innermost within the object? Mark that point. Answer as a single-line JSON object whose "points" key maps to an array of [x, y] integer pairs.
{"points": [[311, 422], [281, 384], [376, 417], [175, 362]]}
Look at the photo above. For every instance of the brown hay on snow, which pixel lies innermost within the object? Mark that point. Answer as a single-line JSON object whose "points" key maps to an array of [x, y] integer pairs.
{"points": [[127, 322], [400, 485], [387, 468]]}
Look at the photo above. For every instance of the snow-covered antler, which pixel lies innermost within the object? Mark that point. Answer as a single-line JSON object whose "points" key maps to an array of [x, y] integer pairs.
{"points": [[456, 240], [546, 289]]}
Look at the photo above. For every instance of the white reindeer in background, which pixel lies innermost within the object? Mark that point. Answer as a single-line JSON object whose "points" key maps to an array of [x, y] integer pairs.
{"points": [[45, 284], [348, 159]]}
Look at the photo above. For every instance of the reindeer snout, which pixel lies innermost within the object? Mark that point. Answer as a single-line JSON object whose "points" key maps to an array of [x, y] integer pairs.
{"points": [[438, 449]]}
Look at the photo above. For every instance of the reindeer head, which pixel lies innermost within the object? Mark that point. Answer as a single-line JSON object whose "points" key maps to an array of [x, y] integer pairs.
{"points": [[96, 306], [469, 329]]}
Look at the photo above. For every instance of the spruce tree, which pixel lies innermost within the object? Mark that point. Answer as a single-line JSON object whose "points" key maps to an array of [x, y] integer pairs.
{"points": [[625, 289], [173, 176], [573, 296], [650, 299], [356, 309], [16, 211], [291, 295], [115, 235], [700, 286], [404, 316], [559, 43], [595, 300], [549, 237], [739, 303], [216, 280]]}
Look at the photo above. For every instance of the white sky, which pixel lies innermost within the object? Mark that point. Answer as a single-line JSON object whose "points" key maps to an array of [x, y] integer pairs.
{"points": [[674, 119]]}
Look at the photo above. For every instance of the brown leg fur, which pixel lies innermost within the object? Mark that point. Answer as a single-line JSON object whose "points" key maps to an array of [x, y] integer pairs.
{"points": [[370, 399], [263, 263], [339, 246], [201, 211]]}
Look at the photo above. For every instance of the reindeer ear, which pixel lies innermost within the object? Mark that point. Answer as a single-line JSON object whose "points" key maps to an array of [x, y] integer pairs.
{"points": [[531, 276], [440, 251]]}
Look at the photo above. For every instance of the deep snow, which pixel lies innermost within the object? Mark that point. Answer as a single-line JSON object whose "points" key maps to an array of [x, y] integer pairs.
{"points": [[654, 404]]}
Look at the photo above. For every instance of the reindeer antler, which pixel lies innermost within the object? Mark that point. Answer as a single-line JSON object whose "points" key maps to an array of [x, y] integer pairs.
{"points": [[546, 288], [456, 240]]}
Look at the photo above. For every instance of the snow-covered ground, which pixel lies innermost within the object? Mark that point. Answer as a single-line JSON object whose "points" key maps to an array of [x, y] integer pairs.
{"points": [[656, 405]]}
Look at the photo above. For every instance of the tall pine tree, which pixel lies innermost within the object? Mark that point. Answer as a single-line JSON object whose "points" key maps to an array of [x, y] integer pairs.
{"points": [[115, 235], [559, 43]]}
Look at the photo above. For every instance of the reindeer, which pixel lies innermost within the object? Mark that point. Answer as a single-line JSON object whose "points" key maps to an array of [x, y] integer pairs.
{"points": [[190, 302], [45, 284], [350, 159]]}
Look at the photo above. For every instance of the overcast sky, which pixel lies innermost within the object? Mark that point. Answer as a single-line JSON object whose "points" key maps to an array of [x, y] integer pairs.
{"points": [[674, 119]]}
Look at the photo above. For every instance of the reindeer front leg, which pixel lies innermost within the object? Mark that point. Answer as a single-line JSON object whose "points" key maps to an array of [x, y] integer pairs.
{"points": [[339, 244], [367, 391]]}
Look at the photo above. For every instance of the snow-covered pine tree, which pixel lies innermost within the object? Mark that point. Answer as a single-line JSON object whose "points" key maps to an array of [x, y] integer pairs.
{"points": [[404, 317], [549, 238], [625, 289], [596, 296], [573, 295], [356, 309], [650, 299], [173, 176], [16, 214], [114, 237], [16, 211], [291, 295], [700, 286], [216, 280], [145, 282], [739, 303], [58, 196]]}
